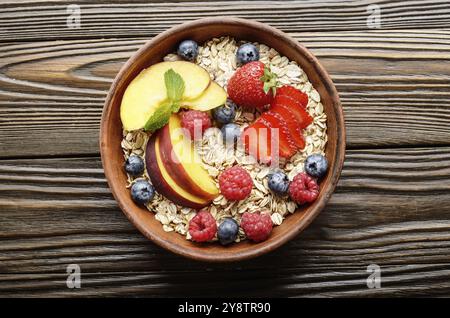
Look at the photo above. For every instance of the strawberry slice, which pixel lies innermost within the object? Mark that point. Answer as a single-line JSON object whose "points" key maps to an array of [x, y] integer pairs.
{"points": [[294, 93], [257, 141], [287, 100], [287, 146], [292, 124], [302, 116]]}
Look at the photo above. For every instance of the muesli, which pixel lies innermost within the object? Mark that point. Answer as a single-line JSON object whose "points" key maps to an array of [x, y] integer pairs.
{"points": [[223, 141]]}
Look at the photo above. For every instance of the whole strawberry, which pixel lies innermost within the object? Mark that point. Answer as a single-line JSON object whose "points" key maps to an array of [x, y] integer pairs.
{"points": [[252, 86]]}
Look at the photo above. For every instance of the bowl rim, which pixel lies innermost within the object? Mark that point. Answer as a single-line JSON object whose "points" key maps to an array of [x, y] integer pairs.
{"points": [[297, 228]]}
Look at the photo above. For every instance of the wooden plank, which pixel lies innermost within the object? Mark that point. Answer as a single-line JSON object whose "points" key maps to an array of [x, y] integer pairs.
{"points": [[47, 19], [394, 88], [397, 281], [391, 208]]}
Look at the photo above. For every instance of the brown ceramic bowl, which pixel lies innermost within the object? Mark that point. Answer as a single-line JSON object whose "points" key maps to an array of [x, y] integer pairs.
{"points": [[153, 52]]}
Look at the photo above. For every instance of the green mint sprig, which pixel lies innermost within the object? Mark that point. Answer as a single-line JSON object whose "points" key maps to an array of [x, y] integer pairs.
{"points": [[175, 90], [174, 85]]}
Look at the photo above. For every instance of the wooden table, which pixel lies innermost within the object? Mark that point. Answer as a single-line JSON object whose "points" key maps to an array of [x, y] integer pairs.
{"points": [[391, 207]]}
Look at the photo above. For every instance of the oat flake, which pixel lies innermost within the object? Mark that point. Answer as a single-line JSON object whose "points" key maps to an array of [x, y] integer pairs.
{"points": [[217, 56]]}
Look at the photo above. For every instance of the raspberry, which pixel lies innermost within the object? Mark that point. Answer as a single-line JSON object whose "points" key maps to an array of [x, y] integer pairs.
{"points": [[196, 122], [235, 183], [257, 226], [303, 189], [202, 227]]}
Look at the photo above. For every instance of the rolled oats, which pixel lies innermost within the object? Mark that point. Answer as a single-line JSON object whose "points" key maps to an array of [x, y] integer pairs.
{"points": [[277, 218], [217, 56]]}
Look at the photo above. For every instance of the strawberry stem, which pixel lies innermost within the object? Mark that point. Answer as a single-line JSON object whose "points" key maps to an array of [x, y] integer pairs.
{"points": [[270, 81]]}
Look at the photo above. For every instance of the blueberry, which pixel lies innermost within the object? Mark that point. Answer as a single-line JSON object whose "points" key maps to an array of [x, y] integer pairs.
{"points": [[188, 50], [225, 114], [278, 182], [247, 53], [142, 192], [134, 165], [316, 165], [227, 231], [230, 133]]}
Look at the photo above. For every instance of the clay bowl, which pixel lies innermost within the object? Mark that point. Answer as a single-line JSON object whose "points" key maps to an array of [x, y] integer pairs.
{"points": [[153, 52]]}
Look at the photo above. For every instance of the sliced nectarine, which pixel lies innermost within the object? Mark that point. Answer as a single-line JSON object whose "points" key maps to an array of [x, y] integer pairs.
{"points": [[148, 91], [185, 162], [164, 183], [181, 167], [212, 97]]}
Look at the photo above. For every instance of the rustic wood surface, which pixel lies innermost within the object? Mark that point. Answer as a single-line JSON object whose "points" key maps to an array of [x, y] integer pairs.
{"points": [[391, 207]]}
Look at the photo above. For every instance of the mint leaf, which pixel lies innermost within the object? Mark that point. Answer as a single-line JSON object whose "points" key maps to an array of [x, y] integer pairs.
{"points": [[175, 107], [174, 85], [160, 117], [175, 90]]}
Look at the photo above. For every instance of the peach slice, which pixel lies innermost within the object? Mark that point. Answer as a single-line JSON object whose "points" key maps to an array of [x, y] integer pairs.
{"points": [[182, 161], [148, 91], [212, 97], [164, 183]]}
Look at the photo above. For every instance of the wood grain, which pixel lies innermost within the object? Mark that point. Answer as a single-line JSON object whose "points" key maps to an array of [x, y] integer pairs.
{"points": [[398, 281], [394, 87], [391, 208], [47, 19]]}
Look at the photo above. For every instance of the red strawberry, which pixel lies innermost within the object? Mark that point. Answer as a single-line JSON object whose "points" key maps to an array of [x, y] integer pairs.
{"points": [[252, 85], [292, 124], [302, 116], [294, 93], [286, 144], [257, 141], [287, 100]]}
